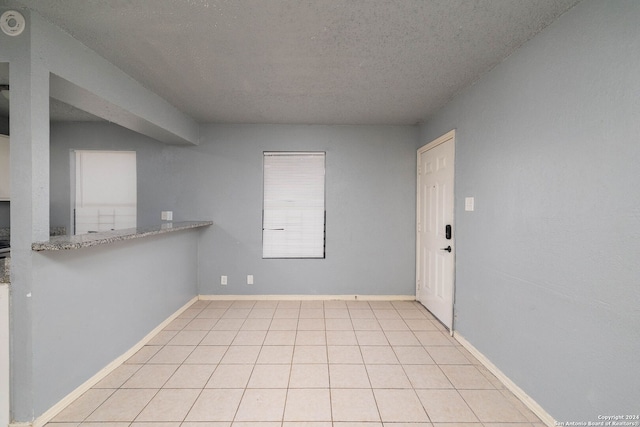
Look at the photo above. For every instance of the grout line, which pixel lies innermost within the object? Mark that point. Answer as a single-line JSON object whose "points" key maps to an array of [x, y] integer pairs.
{"points": [[397, 308]]}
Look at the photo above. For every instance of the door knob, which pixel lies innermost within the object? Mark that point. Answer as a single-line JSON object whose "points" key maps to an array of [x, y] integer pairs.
{"points": [[448, 249]]}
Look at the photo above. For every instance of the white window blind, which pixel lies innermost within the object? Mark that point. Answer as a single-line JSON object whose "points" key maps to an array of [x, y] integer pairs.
{"points": [[105, 191], [293, 222]]}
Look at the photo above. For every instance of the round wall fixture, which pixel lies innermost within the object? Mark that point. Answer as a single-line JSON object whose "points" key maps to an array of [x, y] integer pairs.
{"points": [[12, 23]]}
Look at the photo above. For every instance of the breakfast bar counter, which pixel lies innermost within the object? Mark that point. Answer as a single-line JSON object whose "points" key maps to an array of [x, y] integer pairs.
{"points": [[59, 243]]}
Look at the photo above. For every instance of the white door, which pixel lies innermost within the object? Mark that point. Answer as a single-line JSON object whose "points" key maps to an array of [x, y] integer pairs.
{"points": [[435, 244]]}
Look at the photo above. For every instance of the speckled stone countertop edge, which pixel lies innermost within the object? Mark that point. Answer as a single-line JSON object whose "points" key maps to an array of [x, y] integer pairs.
{"points": [[59, 243], [5, 232]]}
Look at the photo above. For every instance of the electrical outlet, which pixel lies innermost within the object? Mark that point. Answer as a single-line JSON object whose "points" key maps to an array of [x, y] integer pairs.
{"points": [[223, 280], [167, 215], [250, 279]]}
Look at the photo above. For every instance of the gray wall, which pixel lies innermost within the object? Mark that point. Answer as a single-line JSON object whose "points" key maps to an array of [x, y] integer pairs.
{"points": [[547, 265], [370, 200], [36, 278], [156, 179], [115, 296], [370, 203], [117, 293]]}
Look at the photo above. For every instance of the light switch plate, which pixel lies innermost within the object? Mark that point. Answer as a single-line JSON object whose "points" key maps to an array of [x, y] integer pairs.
{"points": [[469, 204]]}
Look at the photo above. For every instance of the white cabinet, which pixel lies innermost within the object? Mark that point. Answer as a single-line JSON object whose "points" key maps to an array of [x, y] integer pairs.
{"points": [[4, 167]]}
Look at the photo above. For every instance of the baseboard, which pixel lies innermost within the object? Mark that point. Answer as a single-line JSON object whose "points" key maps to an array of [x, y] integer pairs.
{"points": [[68, 399], [510, 385], [350, 297], [99, 376]]}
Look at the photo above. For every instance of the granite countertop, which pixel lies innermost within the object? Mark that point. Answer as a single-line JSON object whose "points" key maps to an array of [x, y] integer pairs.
{"points": [[58, 243], [5, 232]]}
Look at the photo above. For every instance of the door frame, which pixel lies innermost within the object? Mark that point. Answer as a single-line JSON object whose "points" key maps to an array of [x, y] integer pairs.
{"points": [[449, 136]]}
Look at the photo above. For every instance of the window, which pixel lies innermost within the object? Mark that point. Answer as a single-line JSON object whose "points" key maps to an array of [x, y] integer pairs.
{"points": [[293, 216], [105, 196]]}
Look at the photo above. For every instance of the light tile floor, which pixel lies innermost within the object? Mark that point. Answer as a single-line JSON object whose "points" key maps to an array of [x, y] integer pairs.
{"points": [[300, 363]]}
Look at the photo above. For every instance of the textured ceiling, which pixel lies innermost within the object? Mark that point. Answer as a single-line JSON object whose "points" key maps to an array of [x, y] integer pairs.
{"points": [[303, 61]]}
